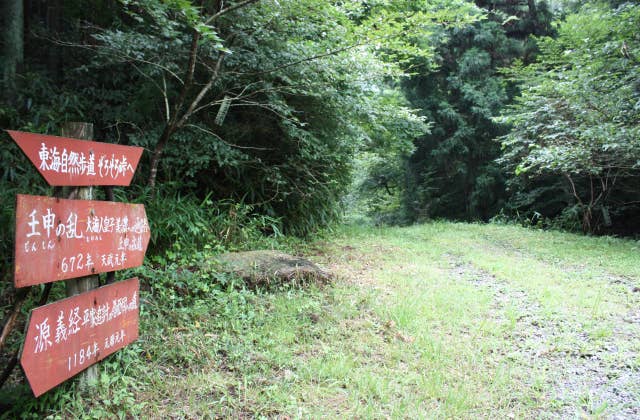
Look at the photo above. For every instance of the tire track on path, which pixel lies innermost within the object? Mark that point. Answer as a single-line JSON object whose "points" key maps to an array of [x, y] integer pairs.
{"points": [[582, 377]]}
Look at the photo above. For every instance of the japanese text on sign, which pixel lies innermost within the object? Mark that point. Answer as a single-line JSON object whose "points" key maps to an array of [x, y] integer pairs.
{"points": [[67, 336], [69, 323], [72, 238], [76, 163], [65, 161]]}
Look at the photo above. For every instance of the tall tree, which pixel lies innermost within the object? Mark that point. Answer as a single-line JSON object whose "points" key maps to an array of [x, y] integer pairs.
{"points": [[302, 82], [11, 44], [576, 120], [452, 172], [261, 101]]}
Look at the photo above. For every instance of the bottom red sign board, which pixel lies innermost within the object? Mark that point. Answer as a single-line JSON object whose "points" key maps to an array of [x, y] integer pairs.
{"points": [[70, 335]]}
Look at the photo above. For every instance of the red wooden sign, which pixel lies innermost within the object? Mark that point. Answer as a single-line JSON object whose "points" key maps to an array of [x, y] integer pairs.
{"points": [[70, 335], [64, 161], [59, 239]]}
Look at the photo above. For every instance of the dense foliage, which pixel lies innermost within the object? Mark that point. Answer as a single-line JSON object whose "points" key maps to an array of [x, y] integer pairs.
{"points": [[452, 171], [259, 117], [575, 132], [259, 102], [268, 102], [531, 119]]}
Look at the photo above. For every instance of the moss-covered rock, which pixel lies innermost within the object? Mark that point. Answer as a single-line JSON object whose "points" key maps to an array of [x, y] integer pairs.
{"points": [[272, 267]]}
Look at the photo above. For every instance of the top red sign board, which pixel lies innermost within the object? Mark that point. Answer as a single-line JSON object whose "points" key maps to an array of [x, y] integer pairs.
{"points": [[64, 161]]}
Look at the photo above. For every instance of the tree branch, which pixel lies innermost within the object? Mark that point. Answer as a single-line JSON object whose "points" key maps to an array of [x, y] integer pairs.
{"points": [[573, 188], [229, 9], [191, 67], [205, 89], [312, 58], [167, 108], [115, 52], [237, 146]]}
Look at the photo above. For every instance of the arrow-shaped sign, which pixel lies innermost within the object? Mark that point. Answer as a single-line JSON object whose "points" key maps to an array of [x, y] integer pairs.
{"points": [[59, 239], [70, 335], [63, 161]]}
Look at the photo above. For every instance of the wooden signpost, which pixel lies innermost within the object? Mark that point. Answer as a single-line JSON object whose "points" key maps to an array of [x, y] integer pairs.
{"points": [[66, 337], [59, 239]]}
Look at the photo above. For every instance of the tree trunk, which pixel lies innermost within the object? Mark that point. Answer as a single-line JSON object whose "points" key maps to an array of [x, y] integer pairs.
{"points": [[54, 25], [180, 117], [11, 44], [586, 220], [20, 297], [157, 154], [533, 12]]}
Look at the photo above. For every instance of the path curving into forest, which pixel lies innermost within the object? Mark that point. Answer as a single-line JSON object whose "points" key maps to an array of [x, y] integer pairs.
{"points": [[517, 323]]}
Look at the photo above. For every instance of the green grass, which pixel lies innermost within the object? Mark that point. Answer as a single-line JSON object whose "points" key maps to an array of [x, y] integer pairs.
{"points": [[442, 320]]}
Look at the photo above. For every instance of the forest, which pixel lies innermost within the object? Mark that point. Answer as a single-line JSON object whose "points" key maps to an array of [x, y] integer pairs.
{"points": [[300, 112], [268, 123]]}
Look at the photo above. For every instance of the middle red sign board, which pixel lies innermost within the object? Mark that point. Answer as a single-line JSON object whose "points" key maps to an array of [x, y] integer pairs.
{"points": [[58, 239]]}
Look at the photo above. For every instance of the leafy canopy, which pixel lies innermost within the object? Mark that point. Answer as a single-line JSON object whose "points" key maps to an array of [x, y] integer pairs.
{"points": [[580, 104]]}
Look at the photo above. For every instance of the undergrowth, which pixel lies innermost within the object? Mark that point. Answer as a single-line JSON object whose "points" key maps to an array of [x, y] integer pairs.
{"points": [[180, 286], [178, 295]]}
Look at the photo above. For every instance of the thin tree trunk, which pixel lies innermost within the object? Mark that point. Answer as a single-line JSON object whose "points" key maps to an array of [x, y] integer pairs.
{"points": [[157, 154], [533, 12], [20, 296], [177, 122], [11, 44], [6, 373], [172, 120], [54, 25], [586, 220]]}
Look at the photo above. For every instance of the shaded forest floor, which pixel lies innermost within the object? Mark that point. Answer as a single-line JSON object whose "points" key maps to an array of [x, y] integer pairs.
{"points": [[432, 321]]}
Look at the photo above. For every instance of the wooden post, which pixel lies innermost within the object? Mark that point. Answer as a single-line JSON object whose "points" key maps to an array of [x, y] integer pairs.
{"points": [[84, 131]]}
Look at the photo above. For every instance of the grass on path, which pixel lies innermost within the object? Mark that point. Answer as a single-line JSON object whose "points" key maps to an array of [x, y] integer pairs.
{"points": [[433, 321]]}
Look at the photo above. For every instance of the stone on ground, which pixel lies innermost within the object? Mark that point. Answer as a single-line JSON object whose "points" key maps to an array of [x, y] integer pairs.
{"points": [[272, 267]]}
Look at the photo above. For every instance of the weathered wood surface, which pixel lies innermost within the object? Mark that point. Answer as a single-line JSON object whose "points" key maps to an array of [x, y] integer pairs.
{"points": [[59, 239], [68, 336]]}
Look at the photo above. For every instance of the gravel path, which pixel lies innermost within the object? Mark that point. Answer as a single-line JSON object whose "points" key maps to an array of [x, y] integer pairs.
{"points": [[583, 376]]}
